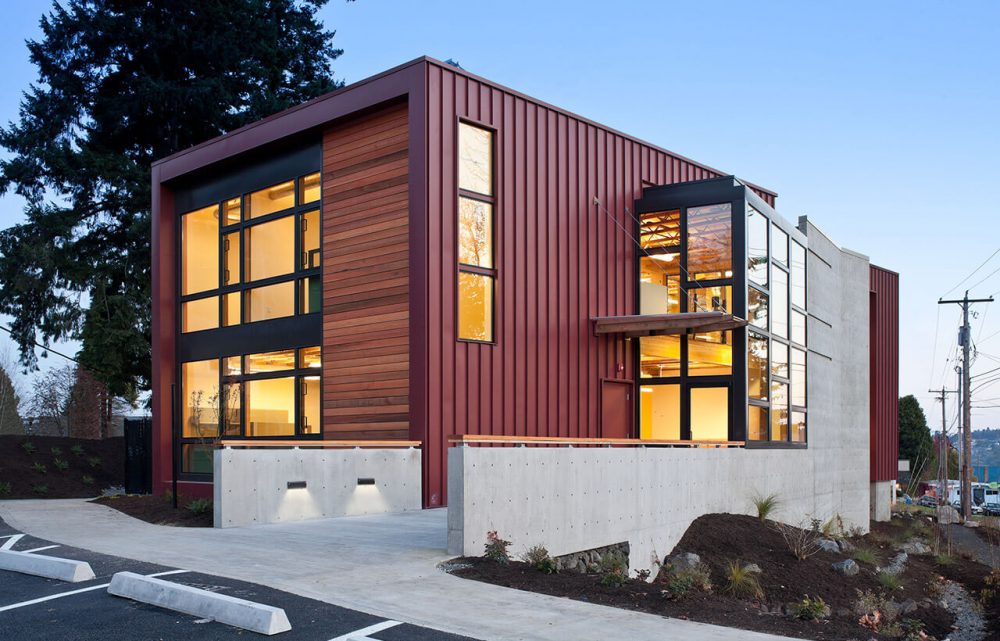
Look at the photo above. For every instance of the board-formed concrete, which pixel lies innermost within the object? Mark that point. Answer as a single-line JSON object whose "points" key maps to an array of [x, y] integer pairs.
{"points": [[223, 608], [572, 499], [882, 499], [252, 485], [50, 567]]}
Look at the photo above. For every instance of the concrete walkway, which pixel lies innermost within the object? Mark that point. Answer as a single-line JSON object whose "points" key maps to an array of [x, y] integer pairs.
{"points": [[384, 564]]}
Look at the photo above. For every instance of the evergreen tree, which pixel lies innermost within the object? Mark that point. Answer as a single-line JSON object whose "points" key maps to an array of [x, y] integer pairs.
{"points": [[120, 84], [10, 419], [915, 443]]}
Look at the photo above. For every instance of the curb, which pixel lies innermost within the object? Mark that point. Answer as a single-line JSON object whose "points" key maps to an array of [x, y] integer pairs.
{"points": [[240, 613], [50, 567]]}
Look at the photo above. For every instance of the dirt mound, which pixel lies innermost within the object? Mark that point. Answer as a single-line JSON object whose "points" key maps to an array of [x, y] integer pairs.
{"points": [[55, 467], [159, 510]]}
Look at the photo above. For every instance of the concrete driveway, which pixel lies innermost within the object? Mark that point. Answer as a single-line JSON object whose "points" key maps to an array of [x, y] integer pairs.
{"points": [[385, 565]]}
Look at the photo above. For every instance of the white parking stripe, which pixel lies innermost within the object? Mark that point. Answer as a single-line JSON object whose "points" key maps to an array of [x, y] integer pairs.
{"points": [[14, 538], [362, 634], [44, 547], [22, 604]]}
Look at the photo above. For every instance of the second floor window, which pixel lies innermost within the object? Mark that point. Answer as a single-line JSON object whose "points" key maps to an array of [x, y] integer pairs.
{"points": [[476, 255]]}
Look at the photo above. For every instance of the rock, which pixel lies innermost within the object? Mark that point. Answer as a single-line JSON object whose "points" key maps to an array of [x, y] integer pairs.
{"points": [[908, 606], [683, 561], [895, 566], [947, 514], [828, 545], [892, 610], [971, 523], [845, 545], [752, 568], [847, 567], [915, 546]]}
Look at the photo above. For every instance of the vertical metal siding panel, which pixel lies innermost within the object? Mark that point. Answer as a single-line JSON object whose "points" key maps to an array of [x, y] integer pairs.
{"points": [[518, 274], [460, 351], [448, 285], [434, 447], [884, 384], [508, 215]]}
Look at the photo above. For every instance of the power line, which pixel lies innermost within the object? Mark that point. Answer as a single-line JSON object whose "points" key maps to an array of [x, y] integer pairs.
{"points": [[972, 274], [48, 349]]}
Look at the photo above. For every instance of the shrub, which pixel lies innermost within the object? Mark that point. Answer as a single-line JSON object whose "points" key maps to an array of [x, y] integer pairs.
{"points": [[913, 630], [642, 575], [40, 489], [991, 587], [77, 449], [5, 488], [94, 462], [765, 505], [872, 610], [60, 464], [865, 555], [199, 506], [496, 548], [88, 479], [742, 583], [833, 528], [56, 450], [801, 542], [38, 467], [538, 558], [29, 447], [810, 609], [678, 583], [614, 570], [889, 581], [944, 559]]}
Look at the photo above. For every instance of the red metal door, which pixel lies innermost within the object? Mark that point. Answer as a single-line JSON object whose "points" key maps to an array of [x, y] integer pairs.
{"points": [[616, 409]]}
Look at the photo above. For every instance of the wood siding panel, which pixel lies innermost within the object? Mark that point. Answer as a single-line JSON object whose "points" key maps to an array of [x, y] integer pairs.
{"points": [[884, 375], [366, 314]]}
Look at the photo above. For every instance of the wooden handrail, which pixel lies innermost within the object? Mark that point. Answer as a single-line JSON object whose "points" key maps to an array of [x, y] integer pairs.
{"points": [[316, 443], [474, 439]]}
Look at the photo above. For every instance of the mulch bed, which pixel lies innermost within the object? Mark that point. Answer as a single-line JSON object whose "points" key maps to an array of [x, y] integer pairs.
{"points": [[721, 538], [158, 510], [96, 465]]}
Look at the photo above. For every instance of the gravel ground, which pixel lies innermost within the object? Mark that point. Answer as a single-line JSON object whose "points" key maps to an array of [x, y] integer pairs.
{"points": [[969, 622]]}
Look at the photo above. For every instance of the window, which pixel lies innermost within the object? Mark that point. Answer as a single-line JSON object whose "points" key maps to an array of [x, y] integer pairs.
{"points": [[660, 356], [310, 389], [200, 314], [757, 366], [779, 411], [710, 242], [798, 275], [200, 393], [200, 250], [273, 199], [660, 230], [779, 303], [779, 246], [271, 407], [757, 308], [270, 362], [710, 354], [231, 409], [660, 412], [286, 244], [659, 284], [757, 423], [710, 413], [779, 359], [757, 247], [799, 427], [477, 270], [798, 377], [798, 327], [310, 357]]}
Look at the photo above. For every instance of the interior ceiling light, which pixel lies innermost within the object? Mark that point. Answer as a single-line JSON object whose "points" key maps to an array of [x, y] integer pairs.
{"points": [[666, 258]]}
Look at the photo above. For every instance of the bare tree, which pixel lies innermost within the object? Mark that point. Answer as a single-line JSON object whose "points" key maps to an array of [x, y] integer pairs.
{"points": [[49, 398]]}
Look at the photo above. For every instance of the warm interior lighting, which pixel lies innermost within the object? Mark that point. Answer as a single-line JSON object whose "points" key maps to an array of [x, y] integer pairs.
{"points": [[666, 258], [646, 390]]}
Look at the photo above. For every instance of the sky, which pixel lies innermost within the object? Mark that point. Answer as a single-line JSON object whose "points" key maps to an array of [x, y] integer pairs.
{"points": [[876, 119]]}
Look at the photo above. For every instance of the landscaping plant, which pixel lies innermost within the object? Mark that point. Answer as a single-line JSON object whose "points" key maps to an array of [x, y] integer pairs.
{"points": [[765, 505], [77, 450], [742, 583], [56, 451], [88, 479], [678, 583], [5, 488], [614, 570], [199, 506], [60, 464], [38, 467], [802, 542], [538, 557], [866, 556], [28, 447], [496, 548], [810, 609], [40, 489], [889, 581], [94, 462]]}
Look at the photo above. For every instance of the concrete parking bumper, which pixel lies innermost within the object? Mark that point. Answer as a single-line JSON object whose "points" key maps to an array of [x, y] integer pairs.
{"points": [[240, 613], [50, 567]]}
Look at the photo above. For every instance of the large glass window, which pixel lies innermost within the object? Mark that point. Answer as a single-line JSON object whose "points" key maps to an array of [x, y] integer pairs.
{"points": [[200, 314], [272, 301], [798, 268], [272, 199], [271, 407], [798, 377], [757, 365], [798, 327], [779, 411], [710, 242], [200, 250], [660, 412], [710, 354], [779, 359], [271, 249], [477, 269], [231, 249], [659, 284], [310, 390], [757, 425], [779, 303], [709, 413], [660, 230], [200, 393], [779, 245], [799, 427], [270, 362], [311, 253], [757, 308], [757, 247], [309, 189], [660, 356]]}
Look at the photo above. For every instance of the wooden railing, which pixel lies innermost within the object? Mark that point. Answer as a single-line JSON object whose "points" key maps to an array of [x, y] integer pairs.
{"points": [[316, 443], [484, 439]]}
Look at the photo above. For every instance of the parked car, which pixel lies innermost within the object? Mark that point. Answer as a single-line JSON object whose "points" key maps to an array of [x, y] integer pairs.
{"points": [[927, 501], [991, 509]]}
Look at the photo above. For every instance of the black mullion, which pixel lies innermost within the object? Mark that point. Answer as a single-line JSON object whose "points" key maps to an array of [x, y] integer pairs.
{"points": [[685, 394]]}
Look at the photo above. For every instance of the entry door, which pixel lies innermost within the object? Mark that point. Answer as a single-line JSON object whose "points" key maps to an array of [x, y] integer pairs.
{"points": [[616, 409]]}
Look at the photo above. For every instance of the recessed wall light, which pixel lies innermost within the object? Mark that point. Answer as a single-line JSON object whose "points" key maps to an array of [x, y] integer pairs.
{"points": [[296, 485], [366, 481]]}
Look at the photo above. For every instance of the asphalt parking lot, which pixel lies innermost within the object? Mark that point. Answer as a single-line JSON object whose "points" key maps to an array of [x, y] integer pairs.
{"points": [[33, 608]]}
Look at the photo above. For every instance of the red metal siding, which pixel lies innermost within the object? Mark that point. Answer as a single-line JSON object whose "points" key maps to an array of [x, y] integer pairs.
{"points": [[560, 261], [884, 379]]}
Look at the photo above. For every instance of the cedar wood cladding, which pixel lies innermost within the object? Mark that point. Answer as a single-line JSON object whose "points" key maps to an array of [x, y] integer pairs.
{"points": [[366, 277], [884, 373], [560, 261]]}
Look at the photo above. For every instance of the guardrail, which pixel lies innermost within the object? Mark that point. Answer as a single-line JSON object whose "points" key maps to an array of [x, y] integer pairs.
{"points": [[484, 439], [317, 444]]}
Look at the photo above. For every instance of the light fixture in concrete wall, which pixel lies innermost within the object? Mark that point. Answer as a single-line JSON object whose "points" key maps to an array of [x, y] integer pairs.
{"points": [[366, 481], [296, 485]]}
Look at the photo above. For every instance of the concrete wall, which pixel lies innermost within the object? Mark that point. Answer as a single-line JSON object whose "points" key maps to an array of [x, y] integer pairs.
{"points": [[572, 499], [251, 485], [882, 498]]}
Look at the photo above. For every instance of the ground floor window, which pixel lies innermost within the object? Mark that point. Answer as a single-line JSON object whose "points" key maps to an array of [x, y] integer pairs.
{"points": [[261, 395]]}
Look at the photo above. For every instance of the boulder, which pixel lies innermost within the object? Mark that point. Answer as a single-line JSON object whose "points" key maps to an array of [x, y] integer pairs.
{"points": [[752, 568], [828, 545], [895, 566], [845, 545], [847, 567], [683, 561], [915, 546], [947, 514]]}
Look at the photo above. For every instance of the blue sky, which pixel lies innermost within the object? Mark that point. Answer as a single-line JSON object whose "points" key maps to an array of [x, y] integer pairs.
{"points": [[878, 120]]}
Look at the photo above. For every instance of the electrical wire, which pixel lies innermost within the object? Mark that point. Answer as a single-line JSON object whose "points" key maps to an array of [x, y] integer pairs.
{"points": [[973, 273]]}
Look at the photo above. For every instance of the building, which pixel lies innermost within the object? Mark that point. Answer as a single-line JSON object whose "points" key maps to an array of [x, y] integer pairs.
{"points": [[425, 253]]}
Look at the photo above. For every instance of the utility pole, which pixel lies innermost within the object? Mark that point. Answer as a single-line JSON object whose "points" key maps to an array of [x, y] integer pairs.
{"points": [[943, 448], [965, 340]]}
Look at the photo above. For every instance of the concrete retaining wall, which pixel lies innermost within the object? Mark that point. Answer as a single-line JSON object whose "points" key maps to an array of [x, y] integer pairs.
{"points": [[582, 498], [251, 485]]}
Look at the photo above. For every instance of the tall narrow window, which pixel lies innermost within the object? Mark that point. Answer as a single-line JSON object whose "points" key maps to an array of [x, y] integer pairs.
{"points": [[798, 275], [200, 250], [757, 247], [476, 262], [710, 242]]}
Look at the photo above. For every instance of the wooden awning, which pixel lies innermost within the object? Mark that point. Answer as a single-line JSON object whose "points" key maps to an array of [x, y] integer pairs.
{"points": [[663, 324]]}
